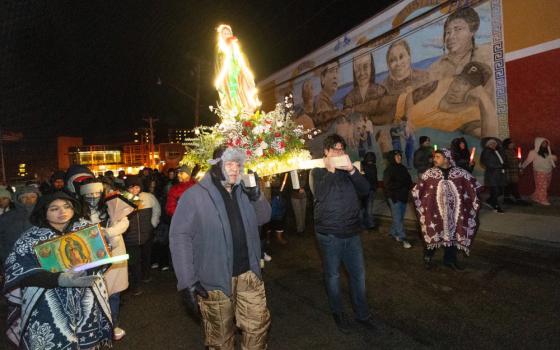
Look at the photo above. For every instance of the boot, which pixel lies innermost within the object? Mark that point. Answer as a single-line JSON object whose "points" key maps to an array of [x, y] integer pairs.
{"points": [[280, 237]]}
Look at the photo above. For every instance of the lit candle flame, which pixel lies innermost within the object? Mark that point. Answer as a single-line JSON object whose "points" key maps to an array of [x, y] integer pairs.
{"points": [[473, 151]]}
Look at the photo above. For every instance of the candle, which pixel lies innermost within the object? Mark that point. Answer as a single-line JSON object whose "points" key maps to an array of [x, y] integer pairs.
{"points": [[435, 147], [97, 263], [519, 153], [473, 150]]}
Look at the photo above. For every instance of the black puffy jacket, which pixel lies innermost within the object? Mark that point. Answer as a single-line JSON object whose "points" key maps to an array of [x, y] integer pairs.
{"points": [[396, 181], [337, 204]]}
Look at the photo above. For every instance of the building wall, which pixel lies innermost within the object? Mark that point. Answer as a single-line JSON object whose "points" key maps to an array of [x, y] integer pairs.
{"points": [[63, 145], [532, 43]]}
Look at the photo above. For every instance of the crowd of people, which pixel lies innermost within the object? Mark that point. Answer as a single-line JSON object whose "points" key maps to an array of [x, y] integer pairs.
{"points": [[213, 233]]}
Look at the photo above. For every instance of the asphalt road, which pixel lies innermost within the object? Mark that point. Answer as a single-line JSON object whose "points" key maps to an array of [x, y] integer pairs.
{"points": [[508, 297]]}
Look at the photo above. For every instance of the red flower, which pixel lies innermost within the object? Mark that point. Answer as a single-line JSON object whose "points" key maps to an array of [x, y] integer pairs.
{"points": [[271, 150], [277, 134], [259, 139], [281, 144], [249, 153], [237, 142], [244, 133], [248, 124]]}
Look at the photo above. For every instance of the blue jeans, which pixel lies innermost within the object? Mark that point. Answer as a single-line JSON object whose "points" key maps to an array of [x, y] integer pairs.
{"points": [[115, 304], [398, 210], [348, 251]]}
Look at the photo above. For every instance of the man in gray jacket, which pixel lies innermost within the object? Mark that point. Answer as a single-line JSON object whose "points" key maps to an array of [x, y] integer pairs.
{"points": [[215, 246]]}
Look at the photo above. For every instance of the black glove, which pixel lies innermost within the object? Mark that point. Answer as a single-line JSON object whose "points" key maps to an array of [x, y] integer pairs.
{"points": [[191, 296], [254, 193]]}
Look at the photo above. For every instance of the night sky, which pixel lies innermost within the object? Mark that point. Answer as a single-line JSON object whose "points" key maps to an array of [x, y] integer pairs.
{"points": [[90, 68]]}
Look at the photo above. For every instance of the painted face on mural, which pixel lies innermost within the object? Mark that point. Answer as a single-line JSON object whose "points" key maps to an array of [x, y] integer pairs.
{"points": [[458, 36], [362, 70], [330, 78], [307, 91], [399, 62], [458, 90]]}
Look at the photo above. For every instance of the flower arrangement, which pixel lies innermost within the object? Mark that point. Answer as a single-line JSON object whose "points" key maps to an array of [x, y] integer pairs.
{"points": [[272, 141]]}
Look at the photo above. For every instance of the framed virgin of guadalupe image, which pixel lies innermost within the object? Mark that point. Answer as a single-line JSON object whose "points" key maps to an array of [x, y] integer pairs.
{"points": [[72, 250]]}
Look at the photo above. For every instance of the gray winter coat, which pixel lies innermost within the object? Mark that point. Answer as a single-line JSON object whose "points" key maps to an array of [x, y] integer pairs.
{"points": [[200, 236]]}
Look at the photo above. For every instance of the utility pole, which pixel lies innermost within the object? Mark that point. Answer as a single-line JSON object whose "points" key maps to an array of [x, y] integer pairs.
{"points": [[197, 97], [2, 157], [151, 122]]}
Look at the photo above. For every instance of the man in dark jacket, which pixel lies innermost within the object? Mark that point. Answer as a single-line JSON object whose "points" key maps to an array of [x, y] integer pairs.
{"points": [[215, 247], [16, 221], [337, 190], [494, 174], [397, 184], [369, 167], [423, 157], [139, 235]]}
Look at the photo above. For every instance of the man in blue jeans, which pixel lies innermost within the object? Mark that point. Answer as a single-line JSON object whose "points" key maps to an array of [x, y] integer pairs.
{"points": [[337, 189]]}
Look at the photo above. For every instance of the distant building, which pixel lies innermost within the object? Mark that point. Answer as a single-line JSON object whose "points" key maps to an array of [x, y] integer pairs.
{"points": [[178, 135], [128, 157]]}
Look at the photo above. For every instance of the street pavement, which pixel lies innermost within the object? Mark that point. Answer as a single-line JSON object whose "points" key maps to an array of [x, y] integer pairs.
{"points": [[507, 298]]}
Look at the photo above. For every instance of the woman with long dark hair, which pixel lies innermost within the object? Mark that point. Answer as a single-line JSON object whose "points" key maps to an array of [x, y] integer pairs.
{"points": [[54, 309]]}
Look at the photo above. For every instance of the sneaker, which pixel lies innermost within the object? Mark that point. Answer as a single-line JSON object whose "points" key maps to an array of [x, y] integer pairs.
{"points": [[368, 323], [498, 209], [267, 257], [155, 265], [342, 323], [118, 333], [428, 264], [165, 268], [406, 245]]}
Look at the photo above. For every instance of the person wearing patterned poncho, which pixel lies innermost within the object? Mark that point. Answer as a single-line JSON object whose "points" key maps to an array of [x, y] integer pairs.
{"points": [[447, 204], [54, 310]]}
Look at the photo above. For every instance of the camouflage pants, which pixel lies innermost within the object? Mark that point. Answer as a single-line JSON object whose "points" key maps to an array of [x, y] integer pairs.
{"points": [[246, 309]]}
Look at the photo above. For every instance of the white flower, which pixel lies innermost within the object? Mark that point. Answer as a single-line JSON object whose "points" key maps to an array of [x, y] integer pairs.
{"points": [[259, 152], [259, 129], [263, 145], [279, 123]]}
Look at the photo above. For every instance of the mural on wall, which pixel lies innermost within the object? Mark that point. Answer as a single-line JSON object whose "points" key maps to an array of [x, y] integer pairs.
{"points": [[429, 70]]}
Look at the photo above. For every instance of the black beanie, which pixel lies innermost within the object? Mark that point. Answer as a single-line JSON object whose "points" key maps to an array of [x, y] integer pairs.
{"points": [[423, 139], [132, 180]]}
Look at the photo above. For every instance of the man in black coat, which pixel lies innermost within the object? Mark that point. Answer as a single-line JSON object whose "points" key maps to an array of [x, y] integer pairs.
{"points": [[397, 184], [423, 156], [369, 167], [337, 190], [494, 174]]}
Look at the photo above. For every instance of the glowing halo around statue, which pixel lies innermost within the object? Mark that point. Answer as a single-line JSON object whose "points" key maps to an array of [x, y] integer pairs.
{"points": [[272, 141], [234, 81]]}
